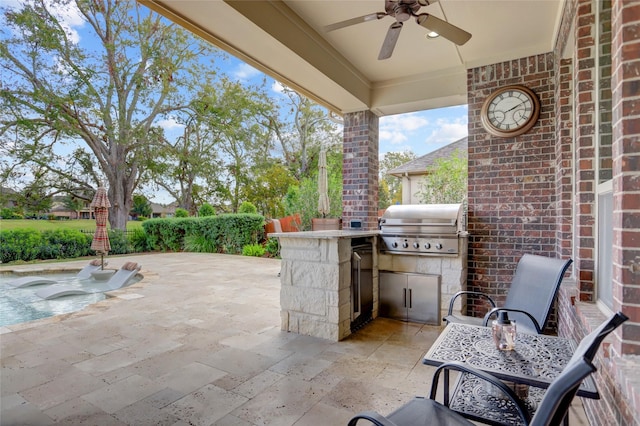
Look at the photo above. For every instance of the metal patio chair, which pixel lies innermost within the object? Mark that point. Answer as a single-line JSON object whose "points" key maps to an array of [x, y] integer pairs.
{"points": [[552, 410], [533, 290]]}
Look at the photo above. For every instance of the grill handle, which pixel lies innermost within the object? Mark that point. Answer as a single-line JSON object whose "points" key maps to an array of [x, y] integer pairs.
{"points": [[450, 223]]}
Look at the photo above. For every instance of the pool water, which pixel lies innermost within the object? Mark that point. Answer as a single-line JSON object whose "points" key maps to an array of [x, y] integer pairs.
{"points": [[19, 305]]}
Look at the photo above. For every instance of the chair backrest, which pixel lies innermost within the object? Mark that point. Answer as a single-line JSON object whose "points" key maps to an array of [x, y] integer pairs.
{"points": [[534, 288], [557, 404], [553, 407], [588, 347], [122, 276]]}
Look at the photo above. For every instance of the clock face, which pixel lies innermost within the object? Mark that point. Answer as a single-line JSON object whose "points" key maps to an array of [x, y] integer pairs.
{"points": [[510, 111]]}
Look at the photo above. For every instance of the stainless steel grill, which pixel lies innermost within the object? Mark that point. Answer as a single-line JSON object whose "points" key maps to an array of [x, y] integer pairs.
{"points": [[422, 229]]}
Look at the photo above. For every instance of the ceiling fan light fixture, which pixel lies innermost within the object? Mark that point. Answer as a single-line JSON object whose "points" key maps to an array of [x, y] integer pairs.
{"points": [[432, 34]]}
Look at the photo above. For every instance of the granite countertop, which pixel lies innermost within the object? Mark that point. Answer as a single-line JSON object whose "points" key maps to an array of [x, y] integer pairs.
{"points": [[325, 235]]}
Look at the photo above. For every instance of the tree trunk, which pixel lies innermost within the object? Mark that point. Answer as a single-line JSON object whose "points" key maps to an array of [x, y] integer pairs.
{"points": [[121, 198]]}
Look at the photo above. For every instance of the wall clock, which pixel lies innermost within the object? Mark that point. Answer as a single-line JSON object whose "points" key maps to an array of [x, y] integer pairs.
{"points": [[510, 111]]}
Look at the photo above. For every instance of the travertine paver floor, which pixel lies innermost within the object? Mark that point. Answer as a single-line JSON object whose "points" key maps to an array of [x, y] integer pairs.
{"points": [[198, 342]]}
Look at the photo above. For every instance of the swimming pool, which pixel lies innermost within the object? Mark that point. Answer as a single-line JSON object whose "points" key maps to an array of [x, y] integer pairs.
{"points": [[18, 305]]}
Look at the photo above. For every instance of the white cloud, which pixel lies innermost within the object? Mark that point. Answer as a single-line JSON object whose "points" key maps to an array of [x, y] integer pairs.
{"points": [[66, 13], [397, 129], [277, 87], [393, 137], [447, 131], [405, 122], [69, 17], [170, 124], [423, 131], [245, 72], [11, 3]]}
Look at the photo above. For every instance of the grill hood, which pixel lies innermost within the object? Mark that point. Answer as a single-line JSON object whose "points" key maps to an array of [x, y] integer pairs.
{"points": [[420, 219]]}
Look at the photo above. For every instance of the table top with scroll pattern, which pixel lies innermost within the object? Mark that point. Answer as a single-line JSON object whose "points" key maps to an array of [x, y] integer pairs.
{"points": [[536, 360]]}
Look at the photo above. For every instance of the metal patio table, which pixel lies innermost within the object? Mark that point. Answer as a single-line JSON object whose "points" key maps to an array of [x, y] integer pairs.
{"points": [[536, 361]]}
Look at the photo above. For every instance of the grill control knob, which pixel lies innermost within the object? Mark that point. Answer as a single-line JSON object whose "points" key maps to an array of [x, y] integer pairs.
{"points": [[416, 245], [438, 246], [394, 245], [405, 244], [427, 246]]}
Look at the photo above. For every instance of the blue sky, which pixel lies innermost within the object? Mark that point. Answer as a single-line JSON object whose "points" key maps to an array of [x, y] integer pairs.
{"points": [[420, 132]]}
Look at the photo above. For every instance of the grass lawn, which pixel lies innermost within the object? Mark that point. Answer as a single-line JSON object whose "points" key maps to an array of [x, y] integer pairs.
{"points": [[42, 225]]}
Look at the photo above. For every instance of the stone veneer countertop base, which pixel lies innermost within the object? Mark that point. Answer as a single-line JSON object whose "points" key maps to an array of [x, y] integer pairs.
{"points": [[325, 234]]}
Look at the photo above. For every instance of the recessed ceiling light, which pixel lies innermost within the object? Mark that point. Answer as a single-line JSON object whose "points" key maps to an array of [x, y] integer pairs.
{"points": [[432, 34]]}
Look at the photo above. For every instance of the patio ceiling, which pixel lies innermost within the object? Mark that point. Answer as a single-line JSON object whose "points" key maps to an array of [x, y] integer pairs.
{"points": [[340, 69]]}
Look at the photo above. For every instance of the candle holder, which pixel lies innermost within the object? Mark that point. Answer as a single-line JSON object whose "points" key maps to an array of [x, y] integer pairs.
{"points": [[504, 332]]}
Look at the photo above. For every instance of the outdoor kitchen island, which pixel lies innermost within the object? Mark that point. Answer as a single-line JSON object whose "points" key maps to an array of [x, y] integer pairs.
{"points": [[316, 295]]}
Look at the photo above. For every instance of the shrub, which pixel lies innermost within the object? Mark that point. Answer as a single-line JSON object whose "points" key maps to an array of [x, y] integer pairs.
{"points": [[272, 247], [7, 213], [180, 212], [168, 234], [226, 233], [199, 244], [253, 250], [238, 230], [64, 243], [20, 244], [247, 207], [29, 244], [139, 240], [119, 242], [206, 210]]}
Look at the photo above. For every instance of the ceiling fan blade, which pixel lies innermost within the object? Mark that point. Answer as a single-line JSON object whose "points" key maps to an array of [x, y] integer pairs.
{"points": [[390, 40], [445, 29], [353, 21]]}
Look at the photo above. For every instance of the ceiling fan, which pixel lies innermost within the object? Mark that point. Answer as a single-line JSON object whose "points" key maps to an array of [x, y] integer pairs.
{"points": [[402, 10]]}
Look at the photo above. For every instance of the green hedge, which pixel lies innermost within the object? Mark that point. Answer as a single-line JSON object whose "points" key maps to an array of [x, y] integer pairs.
{"points": [[30, 244], [225, 233]]}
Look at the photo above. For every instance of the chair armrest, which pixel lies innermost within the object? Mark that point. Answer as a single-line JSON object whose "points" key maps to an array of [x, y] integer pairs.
{"points": [[462, 367], [475, 293], [373, 417], [495, 310]]}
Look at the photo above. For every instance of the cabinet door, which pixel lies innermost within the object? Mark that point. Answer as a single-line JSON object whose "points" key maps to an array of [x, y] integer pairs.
{"points": [[393, 293], [423, 298]]}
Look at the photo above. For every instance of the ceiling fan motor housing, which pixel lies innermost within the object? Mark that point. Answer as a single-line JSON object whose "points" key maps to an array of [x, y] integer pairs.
{"points": [[401, 10]]}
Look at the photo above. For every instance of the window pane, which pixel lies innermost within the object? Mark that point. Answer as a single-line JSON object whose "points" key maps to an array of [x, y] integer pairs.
{"points": [[604, 92], [604, 284]]}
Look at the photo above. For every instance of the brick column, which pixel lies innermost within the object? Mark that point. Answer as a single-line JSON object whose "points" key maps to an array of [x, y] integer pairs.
{"points": [[585, 96], [625, 85], [360, 170], [564, 158], [563, 68]]}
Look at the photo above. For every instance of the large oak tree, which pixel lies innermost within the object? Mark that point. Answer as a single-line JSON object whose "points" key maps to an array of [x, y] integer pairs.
{"points": [[103, 96]]}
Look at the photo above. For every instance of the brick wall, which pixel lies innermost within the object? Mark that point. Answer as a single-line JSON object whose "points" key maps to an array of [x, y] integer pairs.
{"points": [[564, 158], [360, 170], [626, 169], [584, 97], [617, 155], [614, 377], [563, 69], [512, 181]]}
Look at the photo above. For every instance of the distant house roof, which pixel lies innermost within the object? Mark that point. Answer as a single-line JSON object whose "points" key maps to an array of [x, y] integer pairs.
{"points": [[420, 164], [158, 208], [7, 191], [7, 197]]}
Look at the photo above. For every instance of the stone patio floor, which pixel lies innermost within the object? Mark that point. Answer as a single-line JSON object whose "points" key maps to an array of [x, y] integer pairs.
{"points": [[198, 342]]}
